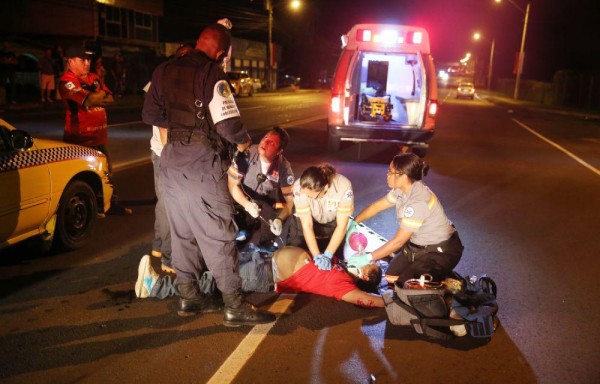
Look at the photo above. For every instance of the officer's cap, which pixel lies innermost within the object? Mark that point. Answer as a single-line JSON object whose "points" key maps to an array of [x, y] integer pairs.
{"points": [[77, 51]]}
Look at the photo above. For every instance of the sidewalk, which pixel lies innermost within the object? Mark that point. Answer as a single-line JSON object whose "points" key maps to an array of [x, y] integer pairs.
{"points": [[506, 101]]}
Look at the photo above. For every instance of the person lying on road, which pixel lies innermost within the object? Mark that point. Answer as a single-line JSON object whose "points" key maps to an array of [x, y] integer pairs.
{"points": [[291, 270]]}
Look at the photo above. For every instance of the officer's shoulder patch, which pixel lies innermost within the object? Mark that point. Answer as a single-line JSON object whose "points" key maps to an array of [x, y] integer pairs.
{"points": [[409, 212], [348, 195], [290, 180], [222, 106]]}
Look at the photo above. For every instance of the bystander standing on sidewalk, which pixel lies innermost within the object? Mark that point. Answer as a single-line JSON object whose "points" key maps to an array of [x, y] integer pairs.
{"points": [[8, 69], [46, 67]]}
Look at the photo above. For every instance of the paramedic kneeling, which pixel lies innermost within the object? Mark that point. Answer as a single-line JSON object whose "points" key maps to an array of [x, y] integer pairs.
{"points": [[428, 241], [324, 201]]}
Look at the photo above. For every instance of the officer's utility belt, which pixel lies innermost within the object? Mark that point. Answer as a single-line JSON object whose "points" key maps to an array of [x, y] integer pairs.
{"points": [[418, 250], [187, 136]]}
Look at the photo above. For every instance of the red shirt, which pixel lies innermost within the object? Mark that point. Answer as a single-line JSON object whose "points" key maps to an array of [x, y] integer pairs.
{"points": [[310, 279], [84, 126]]}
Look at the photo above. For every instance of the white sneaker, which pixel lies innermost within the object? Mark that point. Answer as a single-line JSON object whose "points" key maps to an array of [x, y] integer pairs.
{"points": [[146, 278]]}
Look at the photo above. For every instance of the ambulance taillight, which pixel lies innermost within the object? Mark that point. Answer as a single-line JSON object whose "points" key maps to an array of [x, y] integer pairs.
{"points": [[433, 108], [335, 103]]}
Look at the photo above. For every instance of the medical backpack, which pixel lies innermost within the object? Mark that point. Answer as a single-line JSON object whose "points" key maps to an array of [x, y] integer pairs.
{"points": [[436, 311]]}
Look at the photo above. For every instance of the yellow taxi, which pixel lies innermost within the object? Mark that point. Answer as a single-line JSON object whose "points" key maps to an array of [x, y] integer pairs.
{"points": [[49, 189]]}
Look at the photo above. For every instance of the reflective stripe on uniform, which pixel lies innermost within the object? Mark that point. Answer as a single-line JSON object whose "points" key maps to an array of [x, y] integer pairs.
{"points": [[416, 224], [432, 202], [19, 160]]}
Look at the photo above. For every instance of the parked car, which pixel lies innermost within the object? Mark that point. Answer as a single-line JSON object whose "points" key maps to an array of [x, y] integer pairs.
{"points": [[466, 90], [49, 189], [241, 82], [257, 84]]}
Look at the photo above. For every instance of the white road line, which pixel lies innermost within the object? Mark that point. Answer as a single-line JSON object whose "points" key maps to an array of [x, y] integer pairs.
{"points": [[131, 163], [257, 107], [236, 361], [578, 159], [303, 121], [125, 124]]}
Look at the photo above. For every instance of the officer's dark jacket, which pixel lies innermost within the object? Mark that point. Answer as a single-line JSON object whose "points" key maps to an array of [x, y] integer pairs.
{"points": [[209, 73]]}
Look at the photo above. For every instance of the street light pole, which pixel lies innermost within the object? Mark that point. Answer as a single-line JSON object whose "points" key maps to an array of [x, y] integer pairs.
{"points": [[521, 52], [477, 36], [489, 82], [270, 47]]}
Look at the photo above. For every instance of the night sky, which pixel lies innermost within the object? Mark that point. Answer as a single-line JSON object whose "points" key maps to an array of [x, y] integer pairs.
{"points": [[562, 34]]}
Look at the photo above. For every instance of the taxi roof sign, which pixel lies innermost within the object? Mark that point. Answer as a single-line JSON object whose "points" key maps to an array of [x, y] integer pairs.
{"points": [[387, 38]]}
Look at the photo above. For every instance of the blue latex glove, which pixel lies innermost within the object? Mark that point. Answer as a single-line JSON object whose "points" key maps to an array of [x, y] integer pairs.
{"points": [[360, 260], [323, 261]]}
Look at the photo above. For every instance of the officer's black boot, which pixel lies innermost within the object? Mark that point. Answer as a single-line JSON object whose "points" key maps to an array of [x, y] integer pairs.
{"points": [[238, 312], [192, 302]]}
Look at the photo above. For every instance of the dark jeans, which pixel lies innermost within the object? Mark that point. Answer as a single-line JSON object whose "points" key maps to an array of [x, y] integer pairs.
{"points": [[412, 261], [162, 231]]}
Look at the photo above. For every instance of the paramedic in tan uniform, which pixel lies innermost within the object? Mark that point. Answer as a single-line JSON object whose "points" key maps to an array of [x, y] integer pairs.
{"points": [[427, 239], [324, 201]]}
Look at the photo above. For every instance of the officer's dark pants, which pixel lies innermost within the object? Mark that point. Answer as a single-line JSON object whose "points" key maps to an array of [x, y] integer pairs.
{"points": [[199, 207], [323, 234], [411, 261]]}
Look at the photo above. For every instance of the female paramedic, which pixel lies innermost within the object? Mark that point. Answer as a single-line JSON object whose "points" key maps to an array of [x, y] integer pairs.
{"points": [[324, 201], [428, 241]]}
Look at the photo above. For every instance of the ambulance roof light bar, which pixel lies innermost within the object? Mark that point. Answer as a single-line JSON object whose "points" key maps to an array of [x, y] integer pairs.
{"points": [[388, 37]]}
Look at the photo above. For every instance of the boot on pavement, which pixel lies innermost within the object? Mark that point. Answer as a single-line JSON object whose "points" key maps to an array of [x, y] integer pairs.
{"points": [[193, 302], [238, 312]]}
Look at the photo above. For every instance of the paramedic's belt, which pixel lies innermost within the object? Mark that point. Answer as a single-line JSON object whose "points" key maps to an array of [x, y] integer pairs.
{"points": [[413, 251]]}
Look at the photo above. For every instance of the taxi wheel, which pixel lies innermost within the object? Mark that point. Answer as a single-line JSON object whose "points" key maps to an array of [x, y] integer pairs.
{"points": [[76, 216]]}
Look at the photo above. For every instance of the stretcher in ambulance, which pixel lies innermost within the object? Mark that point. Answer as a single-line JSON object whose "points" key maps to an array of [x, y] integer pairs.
{"points": [[384, 88]]}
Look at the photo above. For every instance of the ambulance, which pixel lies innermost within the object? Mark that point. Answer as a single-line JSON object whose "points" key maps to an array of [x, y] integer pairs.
{"points": [[384, 88]]}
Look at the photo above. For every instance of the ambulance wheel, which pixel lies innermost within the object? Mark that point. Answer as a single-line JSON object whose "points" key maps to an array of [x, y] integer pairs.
{"points": [[76, 216], [421, 152], [334, 144]]}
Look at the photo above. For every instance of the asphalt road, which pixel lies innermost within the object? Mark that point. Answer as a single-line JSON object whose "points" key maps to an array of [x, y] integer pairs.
{"points": [[521, 186]]}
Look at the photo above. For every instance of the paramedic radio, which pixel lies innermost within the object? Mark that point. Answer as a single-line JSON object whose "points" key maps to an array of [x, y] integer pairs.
{"points": [[384, 88]]}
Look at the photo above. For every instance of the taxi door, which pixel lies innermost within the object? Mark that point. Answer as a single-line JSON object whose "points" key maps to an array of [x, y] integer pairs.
{"points": [[24, 192]]}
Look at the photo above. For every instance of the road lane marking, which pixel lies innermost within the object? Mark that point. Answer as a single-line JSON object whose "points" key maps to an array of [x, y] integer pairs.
{"points": [[125, 124], [236, 361], [256, 107], [302, 121], [570, 154], [121, 166]]}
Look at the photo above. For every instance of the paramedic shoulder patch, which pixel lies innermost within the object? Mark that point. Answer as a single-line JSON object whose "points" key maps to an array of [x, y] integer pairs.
{"points": [[222, 106]]}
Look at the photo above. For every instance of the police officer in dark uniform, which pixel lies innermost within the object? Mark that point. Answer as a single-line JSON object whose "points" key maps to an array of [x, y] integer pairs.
{"points": [[190, 96]]}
